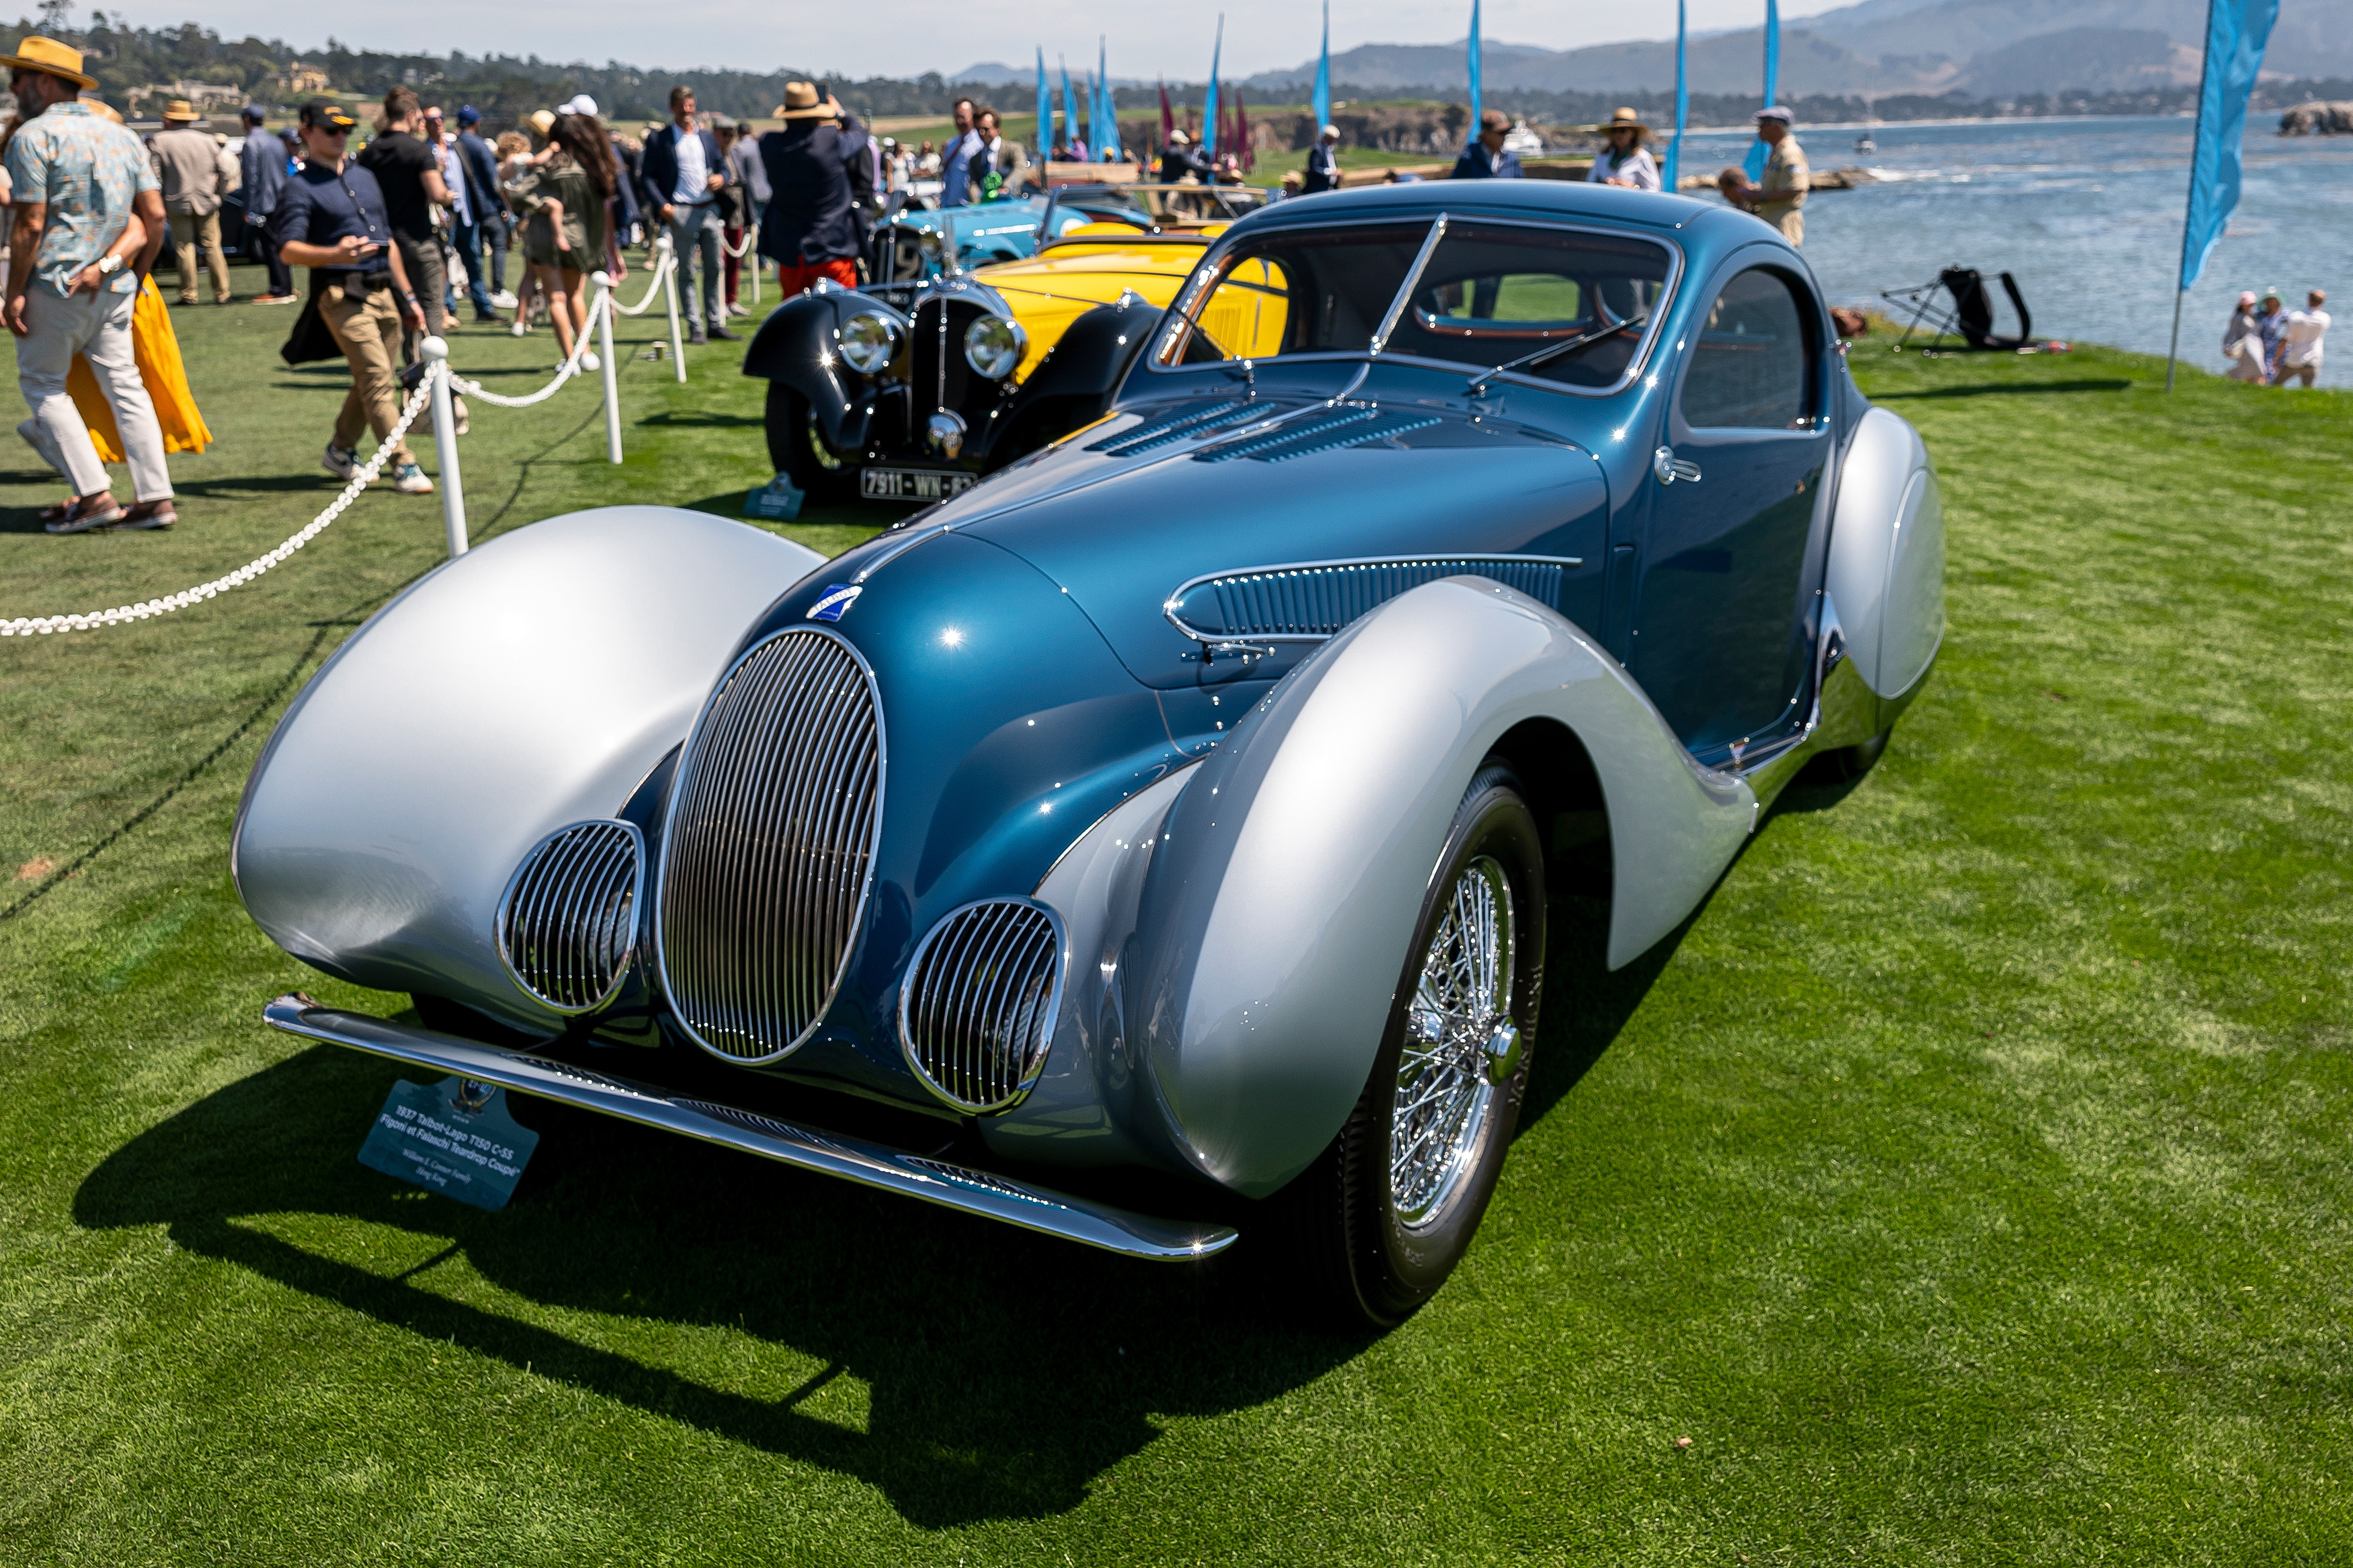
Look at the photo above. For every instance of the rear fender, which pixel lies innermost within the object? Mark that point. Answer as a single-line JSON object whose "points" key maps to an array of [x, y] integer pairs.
{"points": [[531, 683], [1886, 569], [1274, 918]]}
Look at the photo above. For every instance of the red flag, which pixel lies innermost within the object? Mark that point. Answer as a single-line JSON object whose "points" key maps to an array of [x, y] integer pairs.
{"points": [[1241, 135], [1168, 116]]}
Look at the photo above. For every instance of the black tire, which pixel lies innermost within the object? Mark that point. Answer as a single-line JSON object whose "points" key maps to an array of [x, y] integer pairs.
{"points": [[800, 452], [1851, 763], [1373, 1236]]}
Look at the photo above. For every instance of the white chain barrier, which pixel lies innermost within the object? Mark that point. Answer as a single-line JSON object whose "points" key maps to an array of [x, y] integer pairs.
{"points": [[42, 626], [563, 373], [664, 263]]}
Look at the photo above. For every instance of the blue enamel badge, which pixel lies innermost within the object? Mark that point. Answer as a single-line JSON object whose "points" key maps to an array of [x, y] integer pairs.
{"points": [[836, 599]]}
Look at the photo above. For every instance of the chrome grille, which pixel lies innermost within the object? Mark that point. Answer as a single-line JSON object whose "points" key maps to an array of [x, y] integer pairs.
{"points": [[770, 846], [568, 923], [1310, 602], [976, 1010]]}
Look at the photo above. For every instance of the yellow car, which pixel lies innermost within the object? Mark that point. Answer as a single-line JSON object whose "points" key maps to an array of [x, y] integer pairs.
{"points": [[911, 392]]}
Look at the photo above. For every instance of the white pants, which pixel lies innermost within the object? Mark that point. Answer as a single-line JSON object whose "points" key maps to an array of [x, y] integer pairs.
{"points": [[98, 327]]}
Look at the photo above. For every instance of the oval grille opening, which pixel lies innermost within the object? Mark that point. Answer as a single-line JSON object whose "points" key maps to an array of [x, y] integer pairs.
{"points": [[770, 846], [568, 924], [976, 1009]]}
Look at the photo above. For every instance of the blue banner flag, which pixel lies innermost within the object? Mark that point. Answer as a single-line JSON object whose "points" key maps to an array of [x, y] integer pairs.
{"points": [[1755, 162], [1210, 111], [1071, 147], [1473, 135], [1107, 140], [1323, 74], [1682, 107], [1044, 139], [2236, 32]]}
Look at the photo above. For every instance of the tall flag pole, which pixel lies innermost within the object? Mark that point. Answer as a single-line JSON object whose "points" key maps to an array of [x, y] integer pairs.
{"points": [[1045, 137], [1323, 74], [1069, 115], [1755, 162], [1209, 110], [1473, 134], [1682, 106], [2236, 33], [1107, 143]]}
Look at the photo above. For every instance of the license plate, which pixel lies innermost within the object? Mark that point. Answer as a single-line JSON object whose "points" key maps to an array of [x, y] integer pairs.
{"points": [[914, 484]]}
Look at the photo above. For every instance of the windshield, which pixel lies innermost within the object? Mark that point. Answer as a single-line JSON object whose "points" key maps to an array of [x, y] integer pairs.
{"points": [[1487, 295]]}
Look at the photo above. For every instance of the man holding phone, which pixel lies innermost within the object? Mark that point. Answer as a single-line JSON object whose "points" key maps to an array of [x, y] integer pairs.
{"points": [[331, 219]]}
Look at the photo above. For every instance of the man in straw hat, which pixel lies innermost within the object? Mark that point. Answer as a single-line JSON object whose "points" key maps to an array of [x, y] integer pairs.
{"points": [[195, 178], [811, 229], [86, 226], [1624, 161], [681, 181]]}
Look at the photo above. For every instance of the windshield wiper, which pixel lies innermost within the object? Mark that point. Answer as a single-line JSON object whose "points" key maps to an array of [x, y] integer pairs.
{"points": [[1553, 351]]}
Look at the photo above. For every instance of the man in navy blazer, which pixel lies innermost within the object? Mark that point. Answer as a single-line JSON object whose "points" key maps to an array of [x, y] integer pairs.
{"points": [[680, 183], [1486, 158]]}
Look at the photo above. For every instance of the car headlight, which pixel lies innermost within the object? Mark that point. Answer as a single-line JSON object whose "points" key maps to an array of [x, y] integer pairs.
{"points": [[868, 342], [992, 345], [928, 242]]}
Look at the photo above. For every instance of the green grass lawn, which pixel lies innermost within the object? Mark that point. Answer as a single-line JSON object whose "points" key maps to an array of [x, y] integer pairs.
{"points": [[1968, 1180]]}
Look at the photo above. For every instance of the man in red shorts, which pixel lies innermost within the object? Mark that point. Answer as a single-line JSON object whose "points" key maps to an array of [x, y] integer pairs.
{"points": [[811, 229]]}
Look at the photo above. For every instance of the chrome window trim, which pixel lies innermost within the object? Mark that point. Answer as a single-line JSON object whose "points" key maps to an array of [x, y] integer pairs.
{"points": [[874, 849], [1028, 1080], [1636, 367], [1405, 290], [637, 914], [1177, 596]]}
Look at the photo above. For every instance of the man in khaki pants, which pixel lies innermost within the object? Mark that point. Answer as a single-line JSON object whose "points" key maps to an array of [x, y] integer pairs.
{"points": [[331, 219], [195, 178]]}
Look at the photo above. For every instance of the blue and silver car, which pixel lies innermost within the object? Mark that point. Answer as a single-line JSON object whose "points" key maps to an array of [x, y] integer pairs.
{"points": [[1184, 799]]}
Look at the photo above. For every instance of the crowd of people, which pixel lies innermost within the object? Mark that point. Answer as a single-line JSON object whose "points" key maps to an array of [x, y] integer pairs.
{"points": [[2272, 345]]}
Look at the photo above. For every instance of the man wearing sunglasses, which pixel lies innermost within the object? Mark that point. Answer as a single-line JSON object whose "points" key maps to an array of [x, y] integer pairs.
{"points": [[331, 219]]}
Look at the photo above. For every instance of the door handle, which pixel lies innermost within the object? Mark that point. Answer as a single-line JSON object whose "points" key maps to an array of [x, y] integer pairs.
{"points": [[1670, 468]]}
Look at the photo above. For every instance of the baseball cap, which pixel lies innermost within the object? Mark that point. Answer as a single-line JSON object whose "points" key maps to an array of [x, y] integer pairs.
{"points": [[469, 115], [1777, 111], [326, 112], [256, 113], [580, 104]]}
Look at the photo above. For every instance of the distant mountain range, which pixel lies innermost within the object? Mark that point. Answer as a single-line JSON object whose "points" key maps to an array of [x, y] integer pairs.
{"points": [[1986, 48]]}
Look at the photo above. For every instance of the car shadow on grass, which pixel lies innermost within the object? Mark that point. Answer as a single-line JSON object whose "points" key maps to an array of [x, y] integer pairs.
{"points": [[965, 1370]]}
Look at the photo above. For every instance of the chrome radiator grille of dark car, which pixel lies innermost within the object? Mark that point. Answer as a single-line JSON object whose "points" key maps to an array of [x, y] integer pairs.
{"points": [[1314, 600], [568, 923], [770, 846], [976, 1009], [930, 351]]}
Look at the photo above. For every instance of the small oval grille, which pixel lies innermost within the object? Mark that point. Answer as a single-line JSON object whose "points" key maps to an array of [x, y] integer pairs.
{"points": [[770, 846], [1313, 601], [568, 924], [976, 1010]]}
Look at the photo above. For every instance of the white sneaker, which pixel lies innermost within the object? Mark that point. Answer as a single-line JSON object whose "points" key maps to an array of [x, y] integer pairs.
{"points": [[519, 329], [338, 462], [410, 480], [504, 299]]}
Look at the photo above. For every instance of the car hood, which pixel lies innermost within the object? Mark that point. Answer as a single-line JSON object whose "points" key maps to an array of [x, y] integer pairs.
{"points": [[1121, 520]]}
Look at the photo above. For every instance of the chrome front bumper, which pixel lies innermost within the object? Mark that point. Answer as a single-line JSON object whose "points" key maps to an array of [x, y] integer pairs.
{"points": [[870, 1164]]}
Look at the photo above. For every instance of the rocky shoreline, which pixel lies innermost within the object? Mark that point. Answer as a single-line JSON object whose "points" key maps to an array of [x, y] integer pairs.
{"points": [[2317, 119]]}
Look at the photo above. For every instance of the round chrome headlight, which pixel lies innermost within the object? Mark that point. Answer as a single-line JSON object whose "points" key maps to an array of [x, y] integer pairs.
{"points": [[992, 345], [868, 342], [928, 242]]}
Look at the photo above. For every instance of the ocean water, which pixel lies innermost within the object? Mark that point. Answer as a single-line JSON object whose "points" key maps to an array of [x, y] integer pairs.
{"points": [[2086, 214]]}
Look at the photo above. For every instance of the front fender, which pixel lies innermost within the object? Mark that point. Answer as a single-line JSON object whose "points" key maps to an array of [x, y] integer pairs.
{"points": [[1274, 917], [1074, 382], [529, 683], [801, 345]]}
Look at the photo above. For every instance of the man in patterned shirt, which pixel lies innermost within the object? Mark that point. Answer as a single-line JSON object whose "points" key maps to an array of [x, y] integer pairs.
{"points": [[87, 223]]}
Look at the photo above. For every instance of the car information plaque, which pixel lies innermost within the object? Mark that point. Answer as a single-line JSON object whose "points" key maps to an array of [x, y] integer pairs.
{"points": [[454, 1138]]}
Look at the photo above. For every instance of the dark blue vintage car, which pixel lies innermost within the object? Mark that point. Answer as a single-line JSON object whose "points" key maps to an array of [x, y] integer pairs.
{"points": [[1184, 798]]}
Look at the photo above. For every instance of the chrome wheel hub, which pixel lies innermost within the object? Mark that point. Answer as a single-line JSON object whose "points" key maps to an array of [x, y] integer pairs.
{"points": [[1459, 1045], [819, 450]]}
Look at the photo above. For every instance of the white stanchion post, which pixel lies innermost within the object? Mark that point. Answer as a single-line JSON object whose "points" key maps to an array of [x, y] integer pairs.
{"points": [[445, 444], [669, 297], [603, 305]]}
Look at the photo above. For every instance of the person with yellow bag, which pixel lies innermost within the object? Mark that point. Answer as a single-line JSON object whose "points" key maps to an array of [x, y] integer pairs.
{"points": [[156, 347]]}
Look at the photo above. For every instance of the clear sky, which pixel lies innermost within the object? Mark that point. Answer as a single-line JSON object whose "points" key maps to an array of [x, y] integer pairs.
{"points": [[905, 37]]}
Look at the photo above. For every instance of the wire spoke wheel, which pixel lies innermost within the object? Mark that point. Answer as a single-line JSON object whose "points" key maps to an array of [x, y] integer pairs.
{"points": [[1462, 1003]]}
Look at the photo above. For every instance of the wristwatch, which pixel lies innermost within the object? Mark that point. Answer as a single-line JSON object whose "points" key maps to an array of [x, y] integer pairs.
{"points": [[108, 265]]}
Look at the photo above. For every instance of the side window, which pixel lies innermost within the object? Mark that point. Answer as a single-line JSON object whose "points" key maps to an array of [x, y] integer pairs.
{"points": [[1250, 310], [1753, 367]]}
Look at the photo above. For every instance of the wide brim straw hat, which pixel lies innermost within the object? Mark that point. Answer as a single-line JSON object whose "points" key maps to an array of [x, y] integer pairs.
{"points": [[801, 102], [543, 122], [1626, 119], [180, 110], [39, 54]]}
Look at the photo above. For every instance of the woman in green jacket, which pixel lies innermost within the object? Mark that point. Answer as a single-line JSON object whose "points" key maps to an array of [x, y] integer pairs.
{"points": [[568, 199]]}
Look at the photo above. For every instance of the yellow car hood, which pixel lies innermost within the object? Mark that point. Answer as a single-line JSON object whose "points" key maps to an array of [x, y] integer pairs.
{"points": [[1087, 267]]}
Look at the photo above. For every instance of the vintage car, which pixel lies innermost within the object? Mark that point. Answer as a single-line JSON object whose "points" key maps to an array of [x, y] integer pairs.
{"points": [[1174, 813], [912, 242], [910, 392]]}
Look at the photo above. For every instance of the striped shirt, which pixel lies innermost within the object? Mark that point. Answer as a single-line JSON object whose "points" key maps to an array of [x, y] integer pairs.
{"points": [[86, 169]]}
